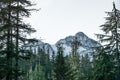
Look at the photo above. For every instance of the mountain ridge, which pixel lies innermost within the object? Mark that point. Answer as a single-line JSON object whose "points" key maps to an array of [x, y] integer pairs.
{"points": [[86, 44]]}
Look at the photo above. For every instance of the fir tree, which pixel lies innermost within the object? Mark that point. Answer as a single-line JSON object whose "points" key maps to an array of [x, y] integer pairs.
{"points": [[5, 30], [103, 65], [75, 58], [12, 29], [60, 68], [111, 36], [37, 67], [48, 66], [86, 70]]}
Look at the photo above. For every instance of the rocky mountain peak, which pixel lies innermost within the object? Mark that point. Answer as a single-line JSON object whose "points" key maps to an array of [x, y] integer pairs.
{"points": [[82, 38], [86, 44]]}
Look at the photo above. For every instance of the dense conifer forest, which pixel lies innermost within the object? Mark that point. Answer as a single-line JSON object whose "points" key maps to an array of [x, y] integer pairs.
{"points": [[18, 63]]}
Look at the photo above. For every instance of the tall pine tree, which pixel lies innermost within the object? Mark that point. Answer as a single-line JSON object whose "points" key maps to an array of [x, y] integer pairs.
{"points": [[103, 65], [60, 68], [12, 28], [75, 58], [111, 37]]}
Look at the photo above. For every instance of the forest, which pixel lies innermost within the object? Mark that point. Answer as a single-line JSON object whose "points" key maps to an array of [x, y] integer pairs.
{"points": [[19, 63]]}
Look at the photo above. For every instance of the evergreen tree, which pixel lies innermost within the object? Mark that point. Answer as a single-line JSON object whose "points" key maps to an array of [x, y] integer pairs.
{"points": [[75, 58], [40, 68], [37, 74], [5, 37], [37, 67], [48, 66], [12, 28], [103, 65], [60, 68], [71, 73], [111, 36], [86, 70]]}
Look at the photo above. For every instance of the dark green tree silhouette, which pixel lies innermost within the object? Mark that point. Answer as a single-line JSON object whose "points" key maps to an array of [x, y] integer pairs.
{"points": [[111, 37], [60, 68], [13, 31], [75, 58], [103, 64]]}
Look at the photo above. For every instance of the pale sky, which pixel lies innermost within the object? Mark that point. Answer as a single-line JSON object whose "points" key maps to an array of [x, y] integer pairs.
{"points": [[60, 18]]}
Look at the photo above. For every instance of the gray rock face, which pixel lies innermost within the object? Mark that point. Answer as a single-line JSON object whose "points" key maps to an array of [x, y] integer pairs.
{"points": [[86, 44]]}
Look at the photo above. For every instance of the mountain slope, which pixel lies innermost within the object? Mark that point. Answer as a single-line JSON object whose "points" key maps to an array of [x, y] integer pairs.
{"points": [[86, 43], [86, 46]]}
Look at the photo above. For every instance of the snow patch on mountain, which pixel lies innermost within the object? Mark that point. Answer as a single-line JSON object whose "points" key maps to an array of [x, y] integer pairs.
{"points": [[85, 47], [86, 44]]}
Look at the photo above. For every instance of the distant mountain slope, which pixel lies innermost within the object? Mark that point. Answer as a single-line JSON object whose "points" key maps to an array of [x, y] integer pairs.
{"points": [[86, 46]]}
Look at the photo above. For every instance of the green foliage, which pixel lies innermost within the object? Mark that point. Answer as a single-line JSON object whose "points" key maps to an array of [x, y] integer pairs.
{"points": [[75, 59], [12, 29], [37, 73], [16, 63], [108, 62], [40, 68], [86, 69], [103, 65], [60, 67]]}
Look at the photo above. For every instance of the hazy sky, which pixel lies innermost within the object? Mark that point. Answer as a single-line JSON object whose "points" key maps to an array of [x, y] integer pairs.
{"points": [[60, 18]]}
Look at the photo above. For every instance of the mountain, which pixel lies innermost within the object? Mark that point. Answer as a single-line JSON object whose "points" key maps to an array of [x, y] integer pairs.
{"points": [[86, 44], [34, 46]]}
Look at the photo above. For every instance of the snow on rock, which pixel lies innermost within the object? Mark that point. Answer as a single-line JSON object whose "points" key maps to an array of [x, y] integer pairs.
{"points": [[86, 46]]}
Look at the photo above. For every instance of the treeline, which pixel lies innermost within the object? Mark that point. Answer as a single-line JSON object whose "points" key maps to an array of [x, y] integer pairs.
{"points": [[58, 66], [16, 63]]}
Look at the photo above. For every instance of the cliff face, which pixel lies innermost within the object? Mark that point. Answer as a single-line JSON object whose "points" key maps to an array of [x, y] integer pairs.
{"points": [[86, 44]]}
